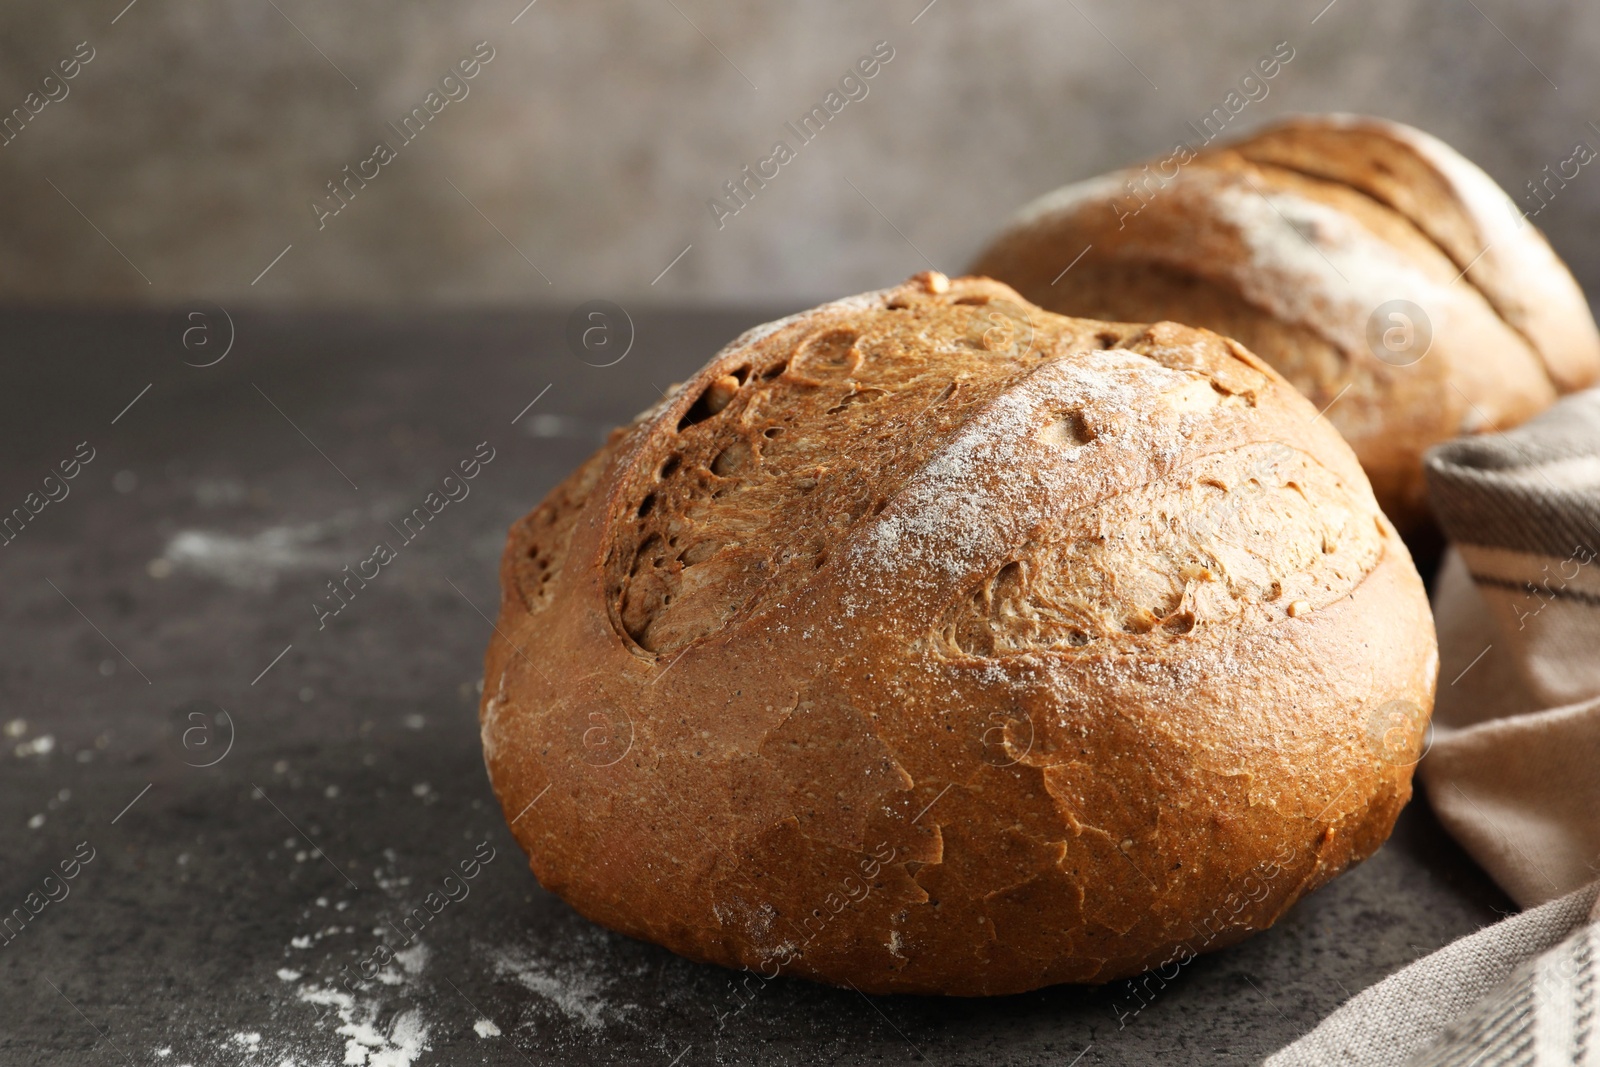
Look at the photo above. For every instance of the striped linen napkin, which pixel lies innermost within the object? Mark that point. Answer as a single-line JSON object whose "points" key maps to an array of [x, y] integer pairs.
{"points": [[1513, 770]]}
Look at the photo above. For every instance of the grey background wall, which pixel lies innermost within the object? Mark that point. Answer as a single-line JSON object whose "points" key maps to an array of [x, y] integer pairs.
{"points": [[187, 153]]}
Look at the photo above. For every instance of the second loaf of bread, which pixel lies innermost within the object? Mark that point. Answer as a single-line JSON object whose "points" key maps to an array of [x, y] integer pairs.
{"points": [[1377, 269]]}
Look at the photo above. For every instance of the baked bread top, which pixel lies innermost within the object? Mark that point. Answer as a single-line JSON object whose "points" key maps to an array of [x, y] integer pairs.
{"points": [[1463, 211], [1026, 638], [1297, 242]]}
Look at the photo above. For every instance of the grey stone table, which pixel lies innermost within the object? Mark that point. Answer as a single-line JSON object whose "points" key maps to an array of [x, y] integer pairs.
{"points": [[251, 799]]}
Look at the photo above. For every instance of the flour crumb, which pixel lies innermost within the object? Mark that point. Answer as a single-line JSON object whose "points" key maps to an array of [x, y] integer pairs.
{"points": [[486, 1028], [413, 959], [367, 1044], [577, 990], [42, 745], [252, 561]]}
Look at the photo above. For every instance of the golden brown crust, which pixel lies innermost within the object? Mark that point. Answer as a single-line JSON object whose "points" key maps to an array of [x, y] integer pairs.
{"points": [[1290, 241], [1462, 210], [1030, 650]]}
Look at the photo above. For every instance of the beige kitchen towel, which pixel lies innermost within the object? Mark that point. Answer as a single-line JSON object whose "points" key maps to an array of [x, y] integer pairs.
{"points": [[1514, 769], [1522, 510], [1512, 766], [1518, 785]]}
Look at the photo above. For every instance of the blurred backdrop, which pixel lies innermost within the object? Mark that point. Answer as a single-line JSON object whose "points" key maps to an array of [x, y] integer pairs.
{"points": [[477, 151]]}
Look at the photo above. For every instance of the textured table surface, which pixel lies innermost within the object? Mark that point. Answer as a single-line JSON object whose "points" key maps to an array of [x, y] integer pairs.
{"points": [[159, 618]]}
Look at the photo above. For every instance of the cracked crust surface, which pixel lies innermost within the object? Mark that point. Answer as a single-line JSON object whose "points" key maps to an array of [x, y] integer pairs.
{"points": [[1289, 240], [935, 643]]}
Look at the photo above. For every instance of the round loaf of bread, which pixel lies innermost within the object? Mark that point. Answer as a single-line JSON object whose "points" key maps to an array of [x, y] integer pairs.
{"points": [[1385, 275], [930, 642]]}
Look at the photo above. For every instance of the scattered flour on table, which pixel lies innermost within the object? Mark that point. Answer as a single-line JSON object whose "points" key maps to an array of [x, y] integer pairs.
{"points": [[42, 745], [375, 1023], [368, 1041], [368, 1044], [375, 1033], [248, 562], [575, 989], [411, 960]]}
